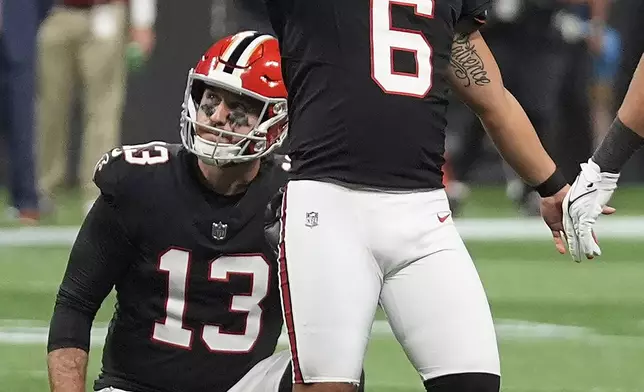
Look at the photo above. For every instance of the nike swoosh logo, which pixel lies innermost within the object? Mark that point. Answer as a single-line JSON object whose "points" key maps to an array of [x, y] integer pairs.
{"points": [[571, 202], [442, 219]]}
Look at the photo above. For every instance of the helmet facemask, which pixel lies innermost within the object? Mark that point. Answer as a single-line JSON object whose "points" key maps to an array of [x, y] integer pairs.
{"points": [[231, 147]]}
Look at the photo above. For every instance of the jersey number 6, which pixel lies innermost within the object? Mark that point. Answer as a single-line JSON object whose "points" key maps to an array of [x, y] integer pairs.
{"points": [[385, 40]]}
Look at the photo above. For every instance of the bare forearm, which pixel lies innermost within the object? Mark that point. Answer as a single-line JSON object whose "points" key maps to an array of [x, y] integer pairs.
{"points": [[67, 370], [515, 138], [626, 134], [631, 112], [476, 78]]}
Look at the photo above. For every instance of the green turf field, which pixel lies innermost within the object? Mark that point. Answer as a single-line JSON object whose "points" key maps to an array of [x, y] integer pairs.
{"points": [[562, 326], [484, 201]]}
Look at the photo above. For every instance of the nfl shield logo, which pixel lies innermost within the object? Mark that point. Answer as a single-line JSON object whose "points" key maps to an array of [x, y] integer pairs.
{"points": [[311, 219], [219, 231]]}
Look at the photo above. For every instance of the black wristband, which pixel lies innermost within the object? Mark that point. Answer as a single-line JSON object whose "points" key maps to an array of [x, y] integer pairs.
{"points": [[552, 185], [618, 146]]}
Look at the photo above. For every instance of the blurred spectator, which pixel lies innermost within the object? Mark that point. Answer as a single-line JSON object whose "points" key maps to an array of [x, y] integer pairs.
{"points": [[601, 52], [19, 22], [627, 17], [85, 43], [231, 16], [583, 29]]}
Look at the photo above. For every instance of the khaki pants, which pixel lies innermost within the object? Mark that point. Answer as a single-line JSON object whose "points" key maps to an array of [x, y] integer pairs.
{"points": [[71, 54]]}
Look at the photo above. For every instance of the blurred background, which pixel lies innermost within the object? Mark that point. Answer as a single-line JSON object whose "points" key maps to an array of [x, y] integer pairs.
{"points": [[78, 77]]}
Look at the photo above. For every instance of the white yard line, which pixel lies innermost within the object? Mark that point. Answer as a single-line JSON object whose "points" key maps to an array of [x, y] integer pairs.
{"points": [[500, 229], [24, 373], [15, 332], [38, 236]]}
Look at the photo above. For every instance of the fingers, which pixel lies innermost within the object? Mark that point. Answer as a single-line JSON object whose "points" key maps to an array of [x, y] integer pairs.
{"points": [[573, 245], [607, 210], [559, 242], [596, 251], [588, 243], [571, 238]]}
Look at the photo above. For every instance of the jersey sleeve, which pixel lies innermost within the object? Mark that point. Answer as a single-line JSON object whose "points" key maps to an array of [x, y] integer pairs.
{"points": [[473, 16], [110, 172], [99, 257], [118, 170]]}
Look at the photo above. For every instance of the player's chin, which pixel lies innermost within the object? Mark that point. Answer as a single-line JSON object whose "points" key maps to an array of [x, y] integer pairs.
{"points": [[234, 163]]}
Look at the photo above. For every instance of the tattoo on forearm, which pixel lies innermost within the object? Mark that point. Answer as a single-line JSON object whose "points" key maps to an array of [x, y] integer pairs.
{"points": [[468, 65], [67, 370]]}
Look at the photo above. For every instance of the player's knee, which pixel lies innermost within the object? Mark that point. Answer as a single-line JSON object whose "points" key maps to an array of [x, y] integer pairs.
{"points": [[326, 387], [286, 384], [464, 382], [361, 386]]}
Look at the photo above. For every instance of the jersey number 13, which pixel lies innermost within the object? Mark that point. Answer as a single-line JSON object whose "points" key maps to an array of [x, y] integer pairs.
{"points": [[176, 263]]}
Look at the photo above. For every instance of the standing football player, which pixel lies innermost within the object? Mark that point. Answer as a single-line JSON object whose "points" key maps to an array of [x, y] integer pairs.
{"points": [[178, 231], [365, 218], [597, 181]]}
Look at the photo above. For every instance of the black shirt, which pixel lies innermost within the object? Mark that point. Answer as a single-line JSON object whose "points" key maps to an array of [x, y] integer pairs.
{"points": [[367, 87], [197, 293]]}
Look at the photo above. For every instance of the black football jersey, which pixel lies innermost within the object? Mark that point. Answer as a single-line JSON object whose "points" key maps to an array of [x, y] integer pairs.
{"points": [[367, 86], [198, 305]]}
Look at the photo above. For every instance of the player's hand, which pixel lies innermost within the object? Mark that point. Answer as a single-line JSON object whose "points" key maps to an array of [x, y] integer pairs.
{"points": [[272, 221], [144, 38], [583, 204], [142, 41], [552, 214]]}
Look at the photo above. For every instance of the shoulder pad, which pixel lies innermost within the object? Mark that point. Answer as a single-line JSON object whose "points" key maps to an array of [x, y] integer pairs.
{"points": [[119, 164]]}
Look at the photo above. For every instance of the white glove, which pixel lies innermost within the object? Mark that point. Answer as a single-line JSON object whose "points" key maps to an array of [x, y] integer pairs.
{"points": [[582, 206]]}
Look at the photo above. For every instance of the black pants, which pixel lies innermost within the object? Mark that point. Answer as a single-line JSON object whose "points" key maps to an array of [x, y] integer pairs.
{"points": [[574, 128], [17, 83]]}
